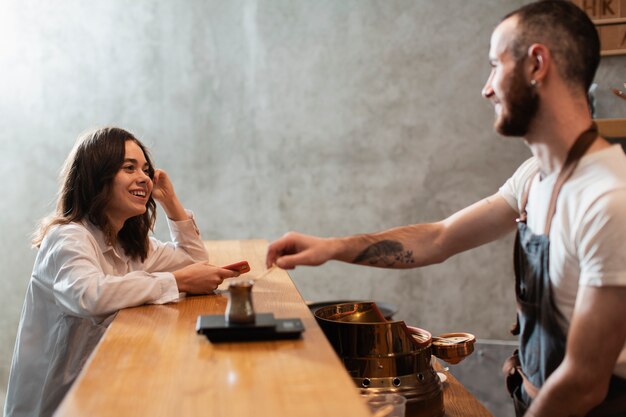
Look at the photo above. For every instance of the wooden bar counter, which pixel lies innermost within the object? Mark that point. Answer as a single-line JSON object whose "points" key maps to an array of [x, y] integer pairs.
{"points": [[151, 362]]}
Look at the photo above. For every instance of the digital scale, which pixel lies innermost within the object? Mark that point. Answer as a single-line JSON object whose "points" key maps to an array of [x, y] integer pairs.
{"points": [[217, 329]]}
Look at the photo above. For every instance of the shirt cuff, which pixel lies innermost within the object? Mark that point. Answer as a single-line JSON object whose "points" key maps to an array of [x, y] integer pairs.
{"points": [[184, 226], [168, 287]]}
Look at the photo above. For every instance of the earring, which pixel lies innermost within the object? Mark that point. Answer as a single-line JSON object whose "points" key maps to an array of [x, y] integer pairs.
{"points": [[533, 83]]}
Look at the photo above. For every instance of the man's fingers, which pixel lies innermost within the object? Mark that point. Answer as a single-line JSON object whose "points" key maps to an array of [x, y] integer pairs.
{"points": [[291, 261], [284, 263]]}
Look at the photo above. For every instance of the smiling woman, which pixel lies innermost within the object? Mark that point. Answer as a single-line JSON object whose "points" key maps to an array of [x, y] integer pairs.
{"points": [[95, 257], [131, 187]]}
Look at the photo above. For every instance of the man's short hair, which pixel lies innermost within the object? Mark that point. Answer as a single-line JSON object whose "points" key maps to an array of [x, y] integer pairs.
{"points": [[568, 33]]}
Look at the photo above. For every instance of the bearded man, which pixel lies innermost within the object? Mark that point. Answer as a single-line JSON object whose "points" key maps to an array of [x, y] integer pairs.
{"points": [[567, 204]]}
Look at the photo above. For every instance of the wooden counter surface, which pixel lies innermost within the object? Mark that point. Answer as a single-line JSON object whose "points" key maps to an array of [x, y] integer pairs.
{"points": [[458, 401], [151, 362]]}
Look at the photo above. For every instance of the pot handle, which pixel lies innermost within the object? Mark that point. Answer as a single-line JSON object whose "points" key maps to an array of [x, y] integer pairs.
{"points": [[420, 337], [453, 347]]}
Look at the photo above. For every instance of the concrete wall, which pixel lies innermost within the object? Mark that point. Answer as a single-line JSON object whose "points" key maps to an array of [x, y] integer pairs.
{"points": [[328, 117]]}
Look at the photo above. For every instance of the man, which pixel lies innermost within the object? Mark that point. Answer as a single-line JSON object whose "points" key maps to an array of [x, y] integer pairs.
{"points": [[569, 200]]}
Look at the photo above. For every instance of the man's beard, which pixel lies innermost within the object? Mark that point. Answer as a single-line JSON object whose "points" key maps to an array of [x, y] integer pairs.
{"points": [[519, 106]]}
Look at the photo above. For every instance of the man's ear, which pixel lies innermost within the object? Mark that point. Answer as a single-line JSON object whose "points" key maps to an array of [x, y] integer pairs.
{"points": [[539, 62]]}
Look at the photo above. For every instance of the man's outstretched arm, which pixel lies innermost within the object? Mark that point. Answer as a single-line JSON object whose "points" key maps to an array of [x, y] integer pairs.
{"points": [[401, 247]]}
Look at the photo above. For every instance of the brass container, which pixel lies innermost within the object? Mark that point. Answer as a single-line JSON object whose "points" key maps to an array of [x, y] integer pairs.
{"points": [[386, 356]]}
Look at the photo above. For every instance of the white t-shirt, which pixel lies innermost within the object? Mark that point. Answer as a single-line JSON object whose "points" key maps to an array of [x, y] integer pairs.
{"points": [[588, 232], [78, 284]]}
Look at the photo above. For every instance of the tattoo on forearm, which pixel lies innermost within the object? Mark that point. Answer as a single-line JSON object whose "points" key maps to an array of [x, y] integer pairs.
{"points": [[385, 253]]}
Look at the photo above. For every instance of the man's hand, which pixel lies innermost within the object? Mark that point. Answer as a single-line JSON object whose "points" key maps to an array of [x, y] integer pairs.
{"points": [[297, 249]]}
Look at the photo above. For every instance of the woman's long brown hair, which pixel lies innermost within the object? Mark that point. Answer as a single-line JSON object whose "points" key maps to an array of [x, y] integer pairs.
{"points": [[85, 190]]}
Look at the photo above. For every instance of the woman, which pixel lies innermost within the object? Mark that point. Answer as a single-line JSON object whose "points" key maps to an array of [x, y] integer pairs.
{"points": [[96, 257]]}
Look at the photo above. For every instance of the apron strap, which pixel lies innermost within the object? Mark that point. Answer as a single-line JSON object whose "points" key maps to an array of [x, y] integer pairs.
{"points": [[582, 144]]}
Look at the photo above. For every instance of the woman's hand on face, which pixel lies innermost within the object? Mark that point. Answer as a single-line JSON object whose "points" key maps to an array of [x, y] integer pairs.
{"points": [[163, 192], [162, 186], [201, 278]]}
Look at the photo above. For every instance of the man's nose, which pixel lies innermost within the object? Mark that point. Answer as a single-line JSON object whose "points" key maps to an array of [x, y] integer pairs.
{"points": [[487, 90]]}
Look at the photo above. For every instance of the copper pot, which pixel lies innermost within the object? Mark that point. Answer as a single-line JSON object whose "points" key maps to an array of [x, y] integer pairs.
{"points": [[388, 356]]}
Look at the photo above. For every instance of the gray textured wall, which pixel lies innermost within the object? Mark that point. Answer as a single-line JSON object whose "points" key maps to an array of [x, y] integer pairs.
{"points": [[328, 117]]}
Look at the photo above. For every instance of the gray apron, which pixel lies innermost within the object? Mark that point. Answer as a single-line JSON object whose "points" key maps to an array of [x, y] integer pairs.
{"points": [[541, 340]]}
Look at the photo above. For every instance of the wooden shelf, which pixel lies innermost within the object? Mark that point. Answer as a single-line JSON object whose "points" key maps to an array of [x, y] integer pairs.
{"points": [[612, 128]]}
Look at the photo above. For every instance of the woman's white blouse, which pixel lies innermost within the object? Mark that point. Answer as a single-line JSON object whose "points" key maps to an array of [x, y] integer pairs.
{"points": [[78, 284]]}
